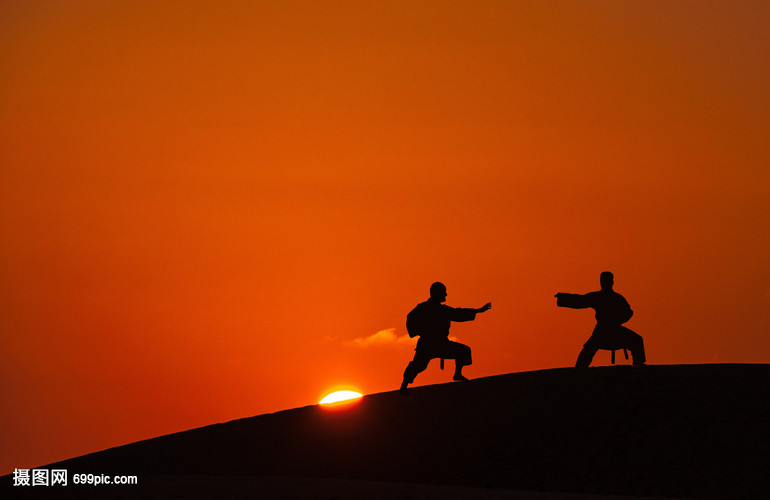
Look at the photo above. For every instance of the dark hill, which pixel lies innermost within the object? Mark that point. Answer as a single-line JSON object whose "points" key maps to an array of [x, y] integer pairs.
{"points": [[683, 431]]}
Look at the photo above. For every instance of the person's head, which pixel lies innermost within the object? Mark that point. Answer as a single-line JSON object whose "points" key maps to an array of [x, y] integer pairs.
{"points": [[438, 291], [606, 279]]}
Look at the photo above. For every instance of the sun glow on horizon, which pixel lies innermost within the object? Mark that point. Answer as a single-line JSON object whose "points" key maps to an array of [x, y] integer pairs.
{"points": [[339, 396]]}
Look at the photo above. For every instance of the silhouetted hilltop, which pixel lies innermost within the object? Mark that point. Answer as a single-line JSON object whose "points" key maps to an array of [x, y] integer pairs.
{"points": [[683, 431]]}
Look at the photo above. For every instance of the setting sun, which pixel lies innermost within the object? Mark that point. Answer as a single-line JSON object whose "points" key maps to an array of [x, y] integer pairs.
{"points": [[338, 396]]}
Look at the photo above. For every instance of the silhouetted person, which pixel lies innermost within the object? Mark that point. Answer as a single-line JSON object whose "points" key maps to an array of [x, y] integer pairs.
{"points": [[431, 320], [612, 310]]}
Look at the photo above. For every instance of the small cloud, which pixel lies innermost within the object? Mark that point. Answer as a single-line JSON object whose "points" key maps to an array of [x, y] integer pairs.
{"points": [[383, 337]]}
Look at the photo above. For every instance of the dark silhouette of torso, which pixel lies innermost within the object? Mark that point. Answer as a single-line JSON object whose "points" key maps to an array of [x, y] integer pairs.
{"points": [[433, 320], [611, 308]]}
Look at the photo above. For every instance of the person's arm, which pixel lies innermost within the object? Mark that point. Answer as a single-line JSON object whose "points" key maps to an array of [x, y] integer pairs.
{"points": [[626, 312], [460, 314], [573, 300]]}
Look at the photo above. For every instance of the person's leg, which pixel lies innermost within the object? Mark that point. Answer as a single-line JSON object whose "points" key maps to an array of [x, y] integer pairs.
{"points": [[461, 353], [587, 354], [634, 343], [418, 364]]}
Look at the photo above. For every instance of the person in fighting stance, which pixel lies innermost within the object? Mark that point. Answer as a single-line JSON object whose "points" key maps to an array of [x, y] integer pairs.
{"points": [[430, 320]]}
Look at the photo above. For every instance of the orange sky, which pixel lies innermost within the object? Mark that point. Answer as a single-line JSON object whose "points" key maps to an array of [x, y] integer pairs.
{"points": [[206, 208]]}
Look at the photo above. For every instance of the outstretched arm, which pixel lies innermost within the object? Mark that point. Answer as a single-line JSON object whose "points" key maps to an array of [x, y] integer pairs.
{"points": [[466, 314], [573, 300]]}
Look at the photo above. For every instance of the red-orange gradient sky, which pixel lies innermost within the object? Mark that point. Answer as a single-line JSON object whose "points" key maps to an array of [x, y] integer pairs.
{"points": [[208, 208]]}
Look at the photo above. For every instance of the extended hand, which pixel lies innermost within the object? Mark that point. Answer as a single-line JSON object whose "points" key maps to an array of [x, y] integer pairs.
{"points": [[486, 307]]}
